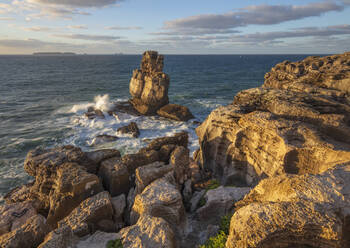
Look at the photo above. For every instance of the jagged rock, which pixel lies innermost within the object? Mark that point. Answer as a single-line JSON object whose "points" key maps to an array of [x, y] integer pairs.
{"points": [[295, 122], [196, 197], [180, 160], [165, 152], [115, 176], [187, 192], [30, 234], [130, 129], [13, 216], [148, 232], [133, 161], [103, 138], [219, 202], [119, 205], [179, 139], [148, 173], [195, 172], [61, 237], [93, 113], [100, 155], [72, 185], [159, 199], [149, 86], [89, 215], [19, 194], [175, 112], [295, 211]]}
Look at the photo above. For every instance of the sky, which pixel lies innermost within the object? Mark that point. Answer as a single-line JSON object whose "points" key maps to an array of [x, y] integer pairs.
{"points": [[175, 27]]}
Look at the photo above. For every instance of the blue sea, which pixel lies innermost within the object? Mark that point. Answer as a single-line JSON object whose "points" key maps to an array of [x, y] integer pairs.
{"points": [[42, 100]]}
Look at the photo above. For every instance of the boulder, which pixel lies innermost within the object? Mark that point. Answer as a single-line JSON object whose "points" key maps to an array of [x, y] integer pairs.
{"points": [[295, 211], [62, 237], [133, 161], [95, 213], [19, 194], [180, 161], [100, 155], [13, 216], [132, 129], [97, 240], [149, 86], [175, 112], [178, 139], [30, 234], [293, 124], [115, 176], [119, 206], [148, 173], [159, 199], [148, 232], [219, 202]]}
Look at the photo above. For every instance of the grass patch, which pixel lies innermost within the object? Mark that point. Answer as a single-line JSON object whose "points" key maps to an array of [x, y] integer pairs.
{"points": [[212, 184], [219, 240], [114, 244]]}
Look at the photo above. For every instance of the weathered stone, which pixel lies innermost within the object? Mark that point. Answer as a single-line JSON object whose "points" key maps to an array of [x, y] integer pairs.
{"points": [[115, 176], [61, 237], [187, 193], [195, 172], [148, 232], [179, 139], [86, 217], [97, 240], [219, 202], [295, 211], [103, 138], [159, 199], [100, 155], [19, 194], [30, 234], [133, 161], [149, 86], [148, 173], [180, 161], [197, 196], [175, 112], [72, 185], [165, 152], [12, 216], [119, 205], [130, 129]]}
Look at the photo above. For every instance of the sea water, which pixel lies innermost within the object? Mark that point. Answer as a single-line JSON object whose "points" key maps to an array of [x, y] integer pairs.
{"points": [[42, 100]]}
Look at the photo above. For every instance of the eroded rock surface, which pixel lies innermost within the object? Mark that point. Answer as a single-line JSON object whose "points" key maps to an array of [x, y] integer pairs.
{"points": [[298, 122], [295, 211], [175, 112]]}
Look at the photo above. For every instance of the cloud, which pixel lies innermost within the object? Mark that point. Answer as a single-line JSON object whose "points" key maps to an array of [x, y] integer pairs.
{"points": [[89, 37], [77, 27], [6, 19], [37, 29], [30, 43], [251, 15], [76, 3], [123, 28]]}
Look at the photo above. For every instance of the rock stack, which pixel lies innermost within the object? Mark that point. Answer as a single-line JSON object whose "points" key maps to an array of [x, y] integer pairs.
{"points": [[149, 90]]}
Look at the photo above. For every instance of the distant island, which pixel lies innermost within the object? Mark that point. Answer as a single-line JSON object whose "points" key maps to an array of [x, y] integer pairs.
{"points": [[54, 54]]}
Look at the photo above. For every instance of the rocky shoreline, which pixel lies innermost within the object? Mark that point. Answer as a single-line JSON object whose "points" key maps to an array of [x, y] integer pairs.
{"points": [[273, 167]]}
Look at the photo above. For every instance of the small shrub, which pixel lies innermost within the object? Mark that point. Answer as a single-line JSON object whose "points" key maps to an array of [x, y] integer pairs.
{"points": [[114, 244], [213, 184], [217, 241], [202, 202], [225, 223]]}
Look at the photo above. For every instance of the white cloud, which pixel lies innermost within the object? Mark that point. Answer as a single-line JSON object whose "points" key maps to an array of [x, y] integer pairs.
{"points": [[76, 3], [77, 27], [89, 37], [6, 19], [123, 28]]}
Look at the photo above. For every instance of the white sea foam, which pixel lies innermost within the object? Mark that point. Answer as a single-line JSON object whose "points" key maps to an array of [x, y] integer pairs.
{"points": [[85, 130], [101, 102]]}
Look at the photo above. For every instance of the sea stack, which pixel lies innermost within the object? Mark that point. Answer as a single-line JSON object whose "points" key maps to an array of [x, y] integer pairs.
{"points": [[149, 85], [149, 90]]}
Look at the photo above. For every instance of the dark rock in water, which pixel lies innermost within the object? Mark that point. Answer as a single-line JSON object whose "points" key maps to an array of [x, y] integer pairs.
{"points": [[93, 113], [149, 86], [130, 129], [103, 138], [124, 107], [91, 109], [175, 112]]}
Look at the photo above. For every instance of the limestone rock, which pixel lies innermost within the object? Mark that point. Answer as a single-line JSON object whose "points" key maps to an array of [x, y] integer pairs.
{"points": [[89, 215], [295, 211], [133, 161], [30, 234], [159, 199], [130, 129], [180, 161], [148, 232], [115, 176], [100, 155], [119, 205], [148, 173], [296, 123], [175, 112], [220, 202], [61, 237], [15, 215], [149, 86], [97, 240]]}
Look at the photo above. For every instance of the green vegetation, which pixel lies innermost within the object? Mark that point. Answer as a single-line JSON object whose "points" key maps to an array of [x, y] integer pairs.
{"points": [[219, 240], [114, 244]]}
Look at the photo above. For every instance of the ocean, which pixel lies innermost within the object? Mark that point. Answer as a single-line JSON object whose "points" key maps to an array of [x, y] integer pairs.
{"points": [[43, 98]]}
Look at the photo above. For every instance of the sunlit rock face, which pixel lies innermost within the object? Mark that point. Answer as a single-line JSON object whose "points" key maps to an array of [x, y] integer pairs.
{"points": [[297, 122]]}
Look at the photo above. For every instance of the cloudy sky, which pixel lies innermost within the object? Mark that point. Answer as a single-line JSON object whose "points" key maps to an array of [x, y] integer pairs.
{"points": [[175, 27]]}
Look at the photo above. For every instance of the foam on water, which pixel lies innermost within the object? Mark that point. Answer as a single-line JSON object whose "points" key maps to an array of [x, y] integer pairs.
{"points": [[85, 130]]}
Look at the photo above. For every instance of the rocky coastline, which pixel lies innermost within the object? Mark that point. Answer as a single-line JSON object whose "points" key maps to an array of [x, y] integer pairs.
{"points": [[273, 170]]}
